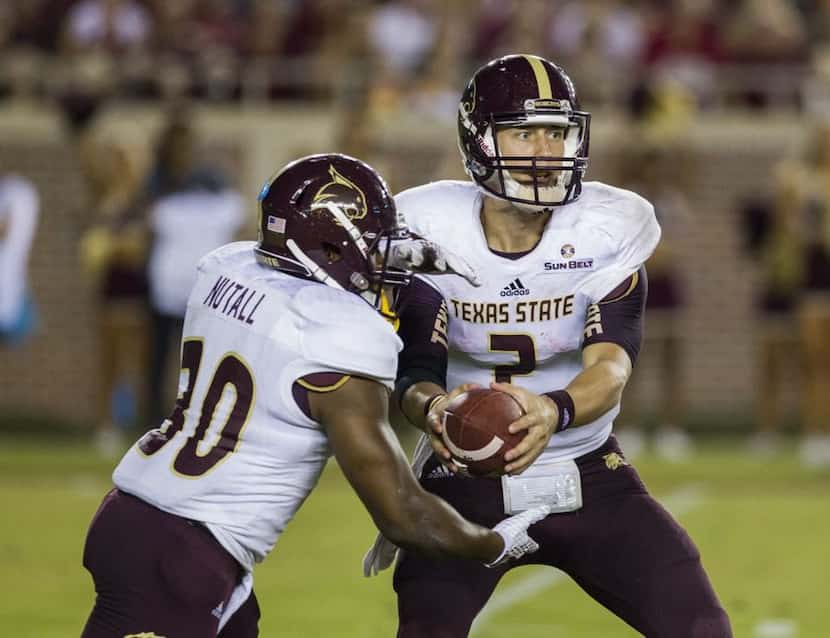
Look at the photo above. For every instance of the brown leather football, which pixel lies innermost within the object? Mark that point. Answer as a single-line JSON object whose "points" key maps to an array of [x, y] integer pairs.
{"points": [[475, 429]]}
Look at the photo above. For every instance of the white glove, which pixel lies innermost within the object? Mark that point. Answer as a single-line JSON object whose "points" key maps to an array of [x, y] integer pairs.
{"points": [[514, 532], [380, 556], [424, 256]]}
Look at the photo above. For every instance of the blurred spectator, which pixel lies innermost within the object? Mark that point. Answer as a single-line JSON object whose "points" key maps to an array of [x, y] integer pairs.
{"points": [[354, 86], [603, 42], [653, 173], [33, 23], [435, 95], [814, 309], [816, 85], [185, 226], [763, 32], [756, 31], [528, 24], [218, 25], [113, 253], [773, 234], [794, 244], [292, 48], [229, 50], [402, 35], [176, 31], [661, 108], [19, 207], [111, 25], [491, 34], [219, 34], [191, 212], [816, 19], [267, 22], [684, 46]]}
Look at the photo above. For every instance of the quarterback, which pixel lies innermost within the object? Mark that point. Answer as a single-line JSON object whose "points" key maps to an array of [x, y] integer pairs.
{"points": [[288, 356], [557, 324]]}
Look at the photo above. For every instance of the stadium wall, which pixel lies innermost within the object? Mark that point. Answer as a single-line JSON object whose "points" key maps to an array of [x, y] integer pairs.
{"points": [[52, 376]]}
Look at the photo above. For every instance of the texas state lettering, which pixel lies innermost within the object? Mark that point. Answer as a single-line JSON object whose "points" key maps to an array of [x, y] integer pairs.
{"points": [[529, 311]]}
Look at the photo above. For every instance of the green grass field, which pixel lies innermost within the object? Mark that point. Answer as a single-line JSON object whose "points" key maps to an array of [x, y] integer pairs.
{"points": [[763, 528]]}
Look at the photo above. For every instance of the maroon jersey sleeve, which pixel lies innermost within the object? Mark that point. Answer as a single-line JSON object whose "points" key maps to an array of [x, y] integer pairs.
{"points": [[618, 317], [423, 330]]}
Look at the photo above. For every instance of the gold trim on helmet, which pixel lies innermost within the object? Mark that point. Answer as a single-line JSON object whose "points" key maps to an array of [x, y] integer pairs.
{"points": [[542, 79]]}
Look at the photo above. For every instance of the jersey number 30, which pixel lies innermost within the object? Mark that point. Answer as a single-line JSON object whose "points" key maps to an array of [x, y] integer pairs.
{"points": [[231, 372]]}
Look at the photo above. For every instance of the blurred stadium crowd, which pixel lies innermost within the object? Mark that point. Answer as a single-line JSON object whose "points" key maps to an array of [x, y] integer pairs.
{"points": [[653, 65], [750, 52]]}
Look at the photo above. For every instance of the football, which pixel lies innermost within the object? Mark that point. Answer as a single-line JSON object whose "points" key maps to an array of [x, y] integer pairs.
{"points": [[475, 429]]}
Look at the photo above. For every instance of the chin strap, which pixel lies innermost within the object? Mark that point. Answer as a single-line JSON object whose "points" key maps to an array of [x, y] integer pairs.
{"points": [[314, 269], [347, 225]]}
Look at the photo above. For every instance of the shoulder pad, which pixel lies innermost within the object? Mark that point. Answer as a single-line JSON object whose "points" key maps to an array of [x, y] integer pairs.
{"points": [[631, 233], [341, 332], [232, 253], [428, 208]]}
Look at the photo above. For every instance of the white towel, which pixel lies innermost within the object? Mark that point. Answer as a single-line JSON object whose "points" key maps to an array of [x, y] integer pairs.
{"points": [[238, 597]]}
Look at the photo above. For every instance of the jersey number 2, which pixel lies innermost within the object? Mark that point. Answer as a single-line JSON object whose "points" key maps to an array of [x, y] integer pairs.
{"points": [[232, 372], [518, 344]]}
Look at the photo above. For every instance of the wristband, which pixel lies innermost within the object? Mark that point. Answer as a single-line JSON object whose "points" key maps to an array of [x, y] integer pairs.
{"points": [[565, 406]]}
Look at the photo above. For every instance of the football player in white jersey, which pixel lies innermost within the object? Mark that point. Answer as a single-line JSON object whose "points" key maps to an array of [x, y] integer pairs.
{"points": [[19, 209], [557, 324], [288, 356]]}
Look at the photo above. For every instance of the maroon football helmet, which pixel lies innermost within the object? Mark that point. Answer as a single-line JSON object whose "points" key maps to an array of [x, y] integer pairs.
{"points": [[330, 218], [523, 90]]}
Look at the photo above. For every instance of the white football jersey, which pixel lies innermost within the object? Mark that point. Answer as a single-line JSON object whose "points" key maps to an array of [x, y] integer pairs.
{"points": [[525, 324], [239, 455]]}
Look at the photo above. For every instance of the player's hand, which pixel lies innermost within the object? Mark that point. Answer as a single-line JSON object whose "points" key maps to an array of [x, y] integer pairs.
{"points": [[513, 530], [424, 256], [541, 416], [434, 425]]}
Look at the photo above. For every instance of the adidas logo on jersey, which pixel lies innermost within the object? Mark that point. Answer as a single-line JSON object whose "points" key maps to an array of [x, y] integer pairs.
{"points": [[514, 289], [439, 471]]}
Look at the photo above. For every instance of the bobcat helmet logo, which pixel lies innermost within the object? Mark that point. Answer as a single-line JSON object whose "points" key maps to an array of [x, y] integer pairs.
{"points": [[567, 251], [342, 193]]}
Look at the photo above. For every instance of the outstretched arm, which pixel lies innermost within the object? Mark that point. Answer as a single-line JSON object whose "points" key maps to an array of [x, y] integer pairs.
{"points": [[355, 418]]}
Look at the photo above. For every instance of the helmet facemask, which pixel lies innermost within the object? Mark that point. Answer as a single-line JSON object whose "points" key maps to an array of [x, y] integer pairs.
{"points": [[494, 172]]}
